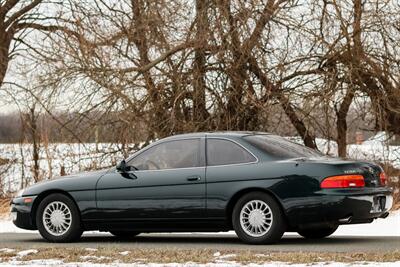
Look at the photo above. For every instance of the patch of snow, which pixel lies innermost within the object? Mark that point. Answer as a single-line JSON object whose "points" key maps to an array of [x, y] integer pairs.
{"points": [[389, 226], [7, 250], [35, 263], [217, 254], [97, 258], [24, 253], [91, 249], [227, 256], [7, 226], [124, 253]]}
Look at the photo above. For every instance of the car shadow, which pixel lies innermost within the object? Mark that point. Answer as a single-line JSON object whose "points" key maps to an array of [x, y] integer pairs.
{"points": [[230, 240], [201, 239]]}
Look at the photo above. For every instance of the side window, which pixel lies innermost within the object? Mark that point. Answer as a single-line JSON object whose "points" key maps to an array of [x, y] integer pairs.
{"points": [[225, 152], [169, 155]]}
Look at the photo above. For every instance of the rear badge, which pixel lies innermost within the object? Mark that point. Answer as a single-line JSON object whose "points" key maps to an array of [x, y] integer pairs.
{"points": [[351, 171]]}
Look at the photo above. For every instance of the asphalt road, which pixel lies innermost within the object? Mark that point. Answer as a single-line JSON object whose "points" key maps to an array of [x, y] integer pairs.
{"points": [[220, 242]]}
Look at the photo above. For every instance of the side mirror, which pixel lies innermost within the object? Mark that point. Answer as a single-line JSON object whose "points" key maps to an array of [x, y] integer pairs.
{"points": [[121, 167], [124, 170]]}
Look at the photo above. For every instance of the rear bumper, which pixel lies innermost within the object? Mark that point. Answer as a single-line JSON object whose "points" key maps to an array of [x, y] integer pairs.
{"points": [[358, 209], [335, 207], [21, 213]]}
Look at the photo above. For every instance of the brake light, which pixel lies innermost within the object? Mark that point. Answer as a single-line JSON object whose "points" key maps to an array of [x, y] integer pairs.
{"points": [[343, 181], [383, 178]]}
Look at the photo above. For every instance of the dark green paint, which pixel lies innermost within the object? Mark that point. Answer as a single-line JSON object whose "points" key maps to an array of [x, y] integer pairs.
{"points": [[166, 200]]}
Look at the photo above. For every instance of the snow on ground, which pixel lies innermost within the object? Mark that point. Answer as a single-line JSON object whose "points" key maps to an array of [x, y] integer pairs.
{"points": [[50, 262], [24, 253], [380, 227]]}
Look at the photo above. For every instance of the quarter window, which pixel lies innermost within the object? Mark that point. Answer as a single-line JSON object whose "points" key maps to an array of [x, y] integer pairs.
{"points": [[169, 155], [225, 152]]}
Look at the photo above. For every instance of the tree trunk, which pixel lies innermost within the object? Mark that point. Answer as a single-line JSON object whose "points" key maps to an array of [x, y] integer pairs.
{"points": [[199, 68], [31, 121], [4, 58], [341, 123], [157, 116]]}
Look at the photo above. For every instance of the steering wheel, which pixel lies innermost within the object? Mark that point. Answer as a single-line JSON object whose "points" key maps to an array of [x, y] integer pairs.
{"points": [[150, 164]]}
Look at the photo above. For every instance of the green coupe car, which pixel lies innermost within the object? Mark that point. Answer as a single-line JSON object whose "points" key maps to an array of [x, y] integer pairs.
{"points": [[258, 184]]}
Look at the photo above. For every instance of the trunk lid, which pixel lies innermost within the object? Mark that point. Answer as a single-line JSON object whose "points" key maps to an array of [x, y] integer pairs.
{"points": [[369, 170]]}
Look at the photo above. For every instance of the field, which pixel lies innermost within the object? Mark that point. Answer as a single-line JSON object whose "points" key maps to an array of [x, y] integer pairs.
{"points": [[16, 165]]}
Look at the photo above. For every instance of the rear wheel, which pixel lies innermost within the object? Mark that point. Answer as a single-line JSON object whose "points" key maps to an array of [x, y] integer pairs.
{"points": [[58, 219], [258, 219], [124, 234], [316, 233]]}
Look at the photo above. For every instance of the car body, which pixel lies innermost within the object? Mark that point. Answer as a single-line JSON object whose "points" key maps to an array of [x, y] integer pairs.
{"points": [[194, 182]]}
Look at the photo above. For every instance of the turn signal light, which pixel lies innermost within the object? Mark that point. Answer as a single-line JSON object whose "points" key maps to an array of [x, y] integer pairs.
{"points": [[343, 181], [28, 200], [383, 178]]}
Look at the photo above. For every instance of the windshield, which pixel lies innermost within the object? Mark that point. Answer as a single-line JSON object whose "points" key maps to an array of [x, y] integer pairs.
{"points": [[280, 147]]}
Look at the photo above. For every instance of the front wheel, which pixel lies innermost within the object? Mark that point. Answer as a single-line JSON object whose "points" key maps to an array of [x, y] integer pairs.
{"points": [[316, 233], [58, 219], [258, 219]]}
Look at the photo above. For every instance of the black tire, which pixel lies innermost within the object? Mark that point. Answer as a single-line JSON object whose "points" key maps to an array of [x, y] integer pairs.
{"points": [[277, 228], [124, 234], [317, 233], [73, 233]]}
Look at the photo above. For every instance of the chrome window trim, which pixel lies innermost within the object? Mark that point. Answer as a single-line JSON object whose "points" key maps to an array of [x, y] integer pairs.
{"points": [[232, 164]]}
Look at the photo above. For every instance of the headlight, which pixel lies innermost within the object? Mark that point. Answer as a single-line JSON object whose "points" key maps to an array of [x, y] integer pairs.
{"points": [[20, 193]]}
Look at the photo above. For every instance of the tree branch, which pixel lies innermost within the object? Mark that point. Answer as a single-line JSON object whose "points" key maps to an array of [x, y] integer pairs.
{"points": [[21, 12]]}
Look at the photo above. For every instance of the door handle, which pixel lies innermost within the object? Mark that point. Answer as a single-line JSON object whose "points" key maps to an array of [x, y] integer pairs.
{"points": [[193, 178]]}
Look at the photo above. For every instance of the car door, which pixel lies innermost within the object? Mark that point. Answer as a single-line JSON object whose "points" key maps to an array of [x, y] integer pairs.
{"points": [[168, 183], [229, 165]]}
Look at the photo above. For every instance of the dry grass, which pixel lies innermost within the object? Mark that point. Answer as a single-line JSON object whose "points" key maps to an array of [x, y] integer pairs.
{"points": [[4, 207], [107, 255], [307, 257]]}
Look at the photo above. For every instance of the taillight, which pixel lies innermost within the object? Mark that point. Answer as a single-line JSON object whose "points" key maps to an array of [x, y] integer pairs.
{"points": [[343, 181], [382, 177]]}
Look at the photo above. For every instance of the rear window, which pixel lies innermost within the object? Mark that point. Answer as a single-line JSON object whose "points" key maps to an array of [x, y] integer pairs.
{"points": [[280, 147]]}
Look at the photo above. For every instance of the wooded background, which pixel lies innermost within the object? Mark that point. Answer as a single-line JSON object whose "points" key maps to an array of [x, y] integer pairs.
{"points": [[132, 71]]}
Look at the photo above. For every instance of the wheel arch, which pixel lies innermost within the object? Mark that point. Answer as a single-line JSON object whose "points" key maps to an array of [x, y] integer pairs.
{"points": [[42, 196], [234, 199]]}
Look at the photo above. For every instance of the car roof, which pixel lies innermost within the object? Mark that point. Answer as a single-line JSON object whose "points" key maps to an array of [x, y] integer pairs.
{"points": [[214, 134]]}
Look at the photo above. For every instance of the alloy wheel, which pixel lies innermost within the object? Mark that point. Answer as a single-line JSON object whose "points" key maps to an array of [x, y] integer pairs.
{"points": [[256, 218], [57, 218]]}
